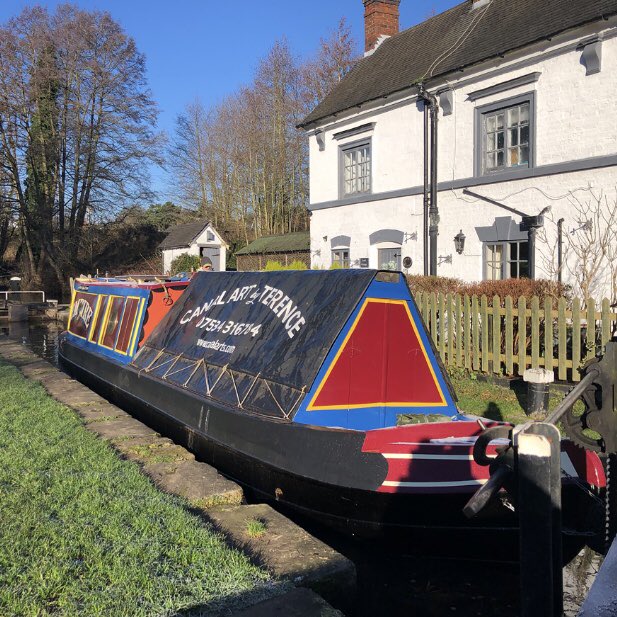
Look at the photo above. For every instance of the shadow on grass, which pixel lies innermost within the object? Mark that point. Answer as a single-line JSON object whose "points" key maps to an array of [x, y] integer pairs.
{"points": [[237, 604], [519, 388], [493, 412]]}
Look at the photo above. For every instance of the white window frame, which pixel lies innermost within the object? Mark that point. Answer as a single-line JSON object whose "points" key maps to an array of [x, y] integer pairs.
{"points": [[348, 149], [481, 140], [506, 259], [344, 262], [399, 249]]}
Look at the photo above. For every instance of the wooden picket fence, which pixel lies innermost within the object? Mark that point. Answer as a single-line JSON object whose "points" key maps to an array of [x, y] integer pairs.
{"points": [[505, 338]]}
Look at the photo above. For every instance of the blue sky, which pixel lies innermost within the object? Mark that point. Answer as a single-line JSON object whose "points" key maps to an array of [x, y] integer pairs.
{"points": [[208, 48]]}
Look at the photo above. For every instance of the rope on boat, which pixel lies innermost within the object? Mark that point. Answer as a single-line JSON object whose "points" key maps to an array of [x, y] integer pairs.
{"points": [[286, 415], [209, 388], [166, 374], [147, 369], [207, 380], [233, 381], [223, 371], [297, 400], [185, 384], [250, 388]]}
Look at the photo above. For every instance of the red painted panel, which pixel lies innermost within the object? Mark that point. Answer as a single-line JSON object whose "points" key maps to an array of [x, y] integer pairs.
{"points": [[382, 361], [128, 320], [161, 301]]}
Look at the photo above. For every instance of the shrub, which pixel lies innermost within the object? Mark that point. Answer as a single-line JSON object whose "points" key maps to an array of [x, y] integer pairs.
{"points": [[272, 266], [296, 265], [515, 288], [335, 266], [185, 263]]}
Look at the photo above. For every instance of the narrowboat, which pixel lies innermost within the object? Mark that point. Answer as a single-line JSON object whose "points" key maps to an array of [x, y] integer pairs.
{"points": [[320, 390]]}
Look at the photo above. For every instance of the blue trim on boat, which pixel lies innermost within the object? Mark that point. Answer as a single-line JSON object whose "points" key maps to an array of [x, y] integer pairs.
{"points": [[374, 417], [108, 290]]}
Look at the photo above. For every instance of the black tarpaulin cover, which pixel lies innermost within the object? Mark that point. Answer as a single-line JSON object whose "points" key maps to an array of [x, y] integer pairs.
{"points": [[275, 325]]}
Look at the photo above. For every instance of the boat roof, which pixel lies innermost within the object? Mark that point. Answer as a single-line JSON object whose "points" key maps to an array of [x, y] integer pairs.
{"points": [[333, 348], [145, 282]]}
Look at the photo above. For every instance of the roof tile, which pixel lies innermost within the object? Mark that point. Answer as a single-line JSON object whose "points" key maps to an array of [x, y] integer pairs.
{"points": [[454, 39]]}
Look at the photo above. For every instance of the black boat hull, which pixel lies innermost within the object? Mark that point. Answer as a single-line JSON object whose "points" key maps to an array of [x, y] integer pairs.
{"points": [[319, 473]]}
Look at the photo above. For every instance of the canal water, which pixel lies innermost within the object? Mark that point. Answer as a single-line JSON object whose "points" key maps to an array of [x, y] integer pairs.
{"points": [[391, 581]]}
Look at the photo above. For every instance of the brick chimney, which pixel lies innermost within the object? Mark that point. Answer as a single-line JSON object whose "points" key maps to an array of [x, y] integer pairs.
{"points": [[380, 20]]}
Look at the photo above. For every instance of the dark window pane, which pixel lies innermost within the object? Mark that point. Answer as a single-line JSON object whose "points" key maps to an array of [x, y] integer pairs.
{"points": [[525, 134], [513, 269], [500, 158], [514, 137], [100, 317], [524, 248], [513, 250], [82, 313], [500, 139], [524, 269], [524, 155], [113, 322]]}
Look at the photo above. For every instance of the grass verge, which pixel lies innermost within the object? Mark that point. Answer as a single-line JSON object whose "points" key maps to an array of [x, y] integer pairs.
{"points": [[84, 533], [489, 400]]}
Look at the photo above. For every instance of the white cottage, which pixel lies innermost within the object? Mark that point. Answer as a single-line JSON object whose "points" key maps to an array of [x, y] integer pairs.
{"points": [[196, 238], [519, 98]]}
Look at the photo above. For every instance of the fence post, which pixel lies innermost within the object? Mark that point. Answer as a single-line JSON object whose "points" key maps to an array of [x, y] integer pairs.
{"points": [[458, 315], [591, 329], [484, 343], [496, 335], [535, 332], [562, 350], [509, 324], [548, 334], [522, 335], [467, 331], [434, 317], [442, 328], [576, 339], [450, 330], [606, 323], [475, 332]]}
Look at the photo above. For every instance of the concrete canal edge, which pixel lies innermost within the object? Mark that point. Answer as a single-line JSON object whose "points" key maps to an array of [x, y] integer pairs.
{"points": [[276, 543]]}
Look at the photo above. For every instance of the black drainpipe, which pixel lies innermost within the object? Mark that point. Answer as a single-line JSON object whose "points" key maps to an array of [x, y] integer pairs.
{"points": [[433, 211], [426, 189], [559, 248]]}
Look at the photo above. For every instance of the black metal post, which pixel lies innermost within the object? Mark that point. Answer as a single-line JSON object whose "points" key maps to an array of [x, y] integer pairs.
{"points": [[434, 210], [532, 253], [433, 213], [537, 449], [426, 187]]}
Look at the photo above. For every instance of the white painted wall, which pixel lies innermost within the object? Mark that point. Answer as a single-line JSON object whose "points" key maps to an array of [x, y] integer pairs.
{"points": [[575, 119], [219, 246]]}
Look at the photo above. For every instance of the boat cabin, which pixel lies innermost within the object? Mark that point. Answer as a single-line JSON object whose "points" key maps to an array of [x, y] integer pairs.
{"points": [[114, 317]]}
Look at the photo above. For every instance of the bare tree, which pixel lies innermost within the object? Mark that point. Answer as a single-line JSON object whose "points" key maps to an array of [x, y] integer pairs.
{"points": [[76, 128], [589, 262], [243, 163]]}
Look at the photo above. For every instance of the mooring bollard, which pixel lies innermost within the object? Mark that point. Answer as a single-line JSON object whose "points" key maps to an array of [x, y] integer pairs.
{"points": [[18, 312], [538, 380], [538, 469]]}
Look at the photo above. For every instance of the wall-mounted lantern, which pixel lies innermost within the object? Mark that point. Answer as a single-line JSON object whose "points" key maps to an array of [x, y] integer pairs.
{"points": [[459, 242]]}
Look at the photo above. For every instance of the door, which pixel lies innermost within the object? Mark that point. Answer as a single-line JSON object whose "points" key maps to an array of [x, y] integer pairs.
{"points": [[214, 253]]}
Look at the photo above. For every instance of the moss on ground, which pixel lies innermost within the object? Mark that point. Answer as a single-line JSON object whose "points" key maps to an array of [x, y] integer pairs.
{"points": [[85, 533]]}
